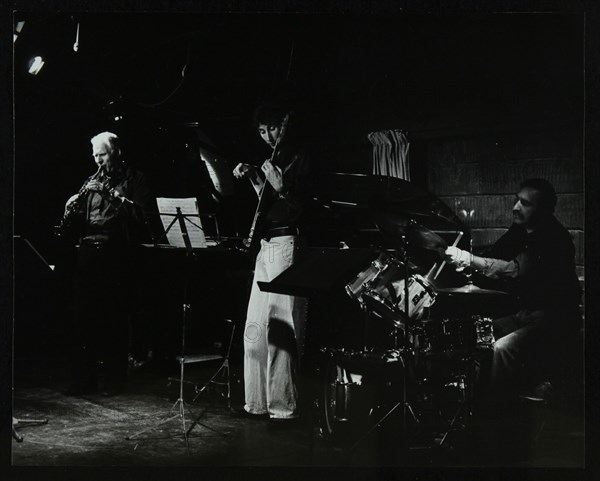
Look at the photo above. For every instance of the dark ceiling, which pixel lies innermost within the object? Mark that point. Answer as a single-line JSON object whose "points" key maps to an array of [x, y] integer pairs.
{"points": [[371, 72], [349, 75]]}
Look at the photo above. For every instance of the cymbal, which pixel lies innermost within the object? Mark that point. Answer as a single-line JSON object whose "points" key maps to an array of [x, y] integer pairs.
{"points": [[422, 237], [397, 203], [393, 205], [384, 194], [469, 289]]}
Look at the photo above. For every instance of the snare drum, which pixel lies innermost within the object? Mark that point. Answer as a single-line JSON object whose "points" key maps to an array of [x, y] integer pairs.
{"points": [[484, 332], [457, 335], [386, 297], [363, 280]]}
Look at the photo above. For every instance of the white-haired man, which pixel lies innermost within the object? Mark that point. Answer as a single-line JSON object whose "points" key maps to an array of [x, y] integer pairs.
{"points": [[108, 216]]}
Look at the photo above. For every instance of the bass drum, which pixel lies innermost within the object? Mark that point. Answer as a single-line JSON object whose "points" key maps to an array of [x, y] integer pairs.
{"points": [[357, 387]]}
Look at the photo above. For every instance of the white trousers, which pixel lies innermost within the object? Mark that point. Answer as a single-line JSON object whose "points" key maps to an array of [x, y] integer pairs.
{"points": [[273, 336]]}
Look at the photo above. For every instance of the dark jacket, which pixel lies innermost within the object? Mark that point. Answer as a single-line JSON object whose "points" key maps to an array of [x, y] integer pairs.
{"points": [[547, 279]]}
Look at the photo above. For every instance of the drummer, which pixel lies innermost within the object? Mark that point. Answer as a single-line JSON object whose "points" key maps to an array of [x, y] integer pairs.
{"points": [[535, 258]]}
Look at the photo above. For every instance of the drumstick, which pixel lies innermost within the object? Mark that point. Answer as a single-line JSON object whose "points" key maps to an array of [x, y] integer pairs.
{"points": [[460, 234]]}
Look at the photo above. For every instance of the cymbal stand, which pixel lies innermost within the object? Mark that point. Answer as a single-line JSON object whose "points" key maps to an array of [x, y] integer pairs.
{"points": [[464, 384], [407, 408]]}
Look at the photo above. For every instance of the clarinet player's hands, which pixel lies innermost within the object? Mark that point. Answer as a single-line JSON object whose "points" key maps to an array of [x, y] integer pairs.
{"points": [[72, 199], [95, 186]]}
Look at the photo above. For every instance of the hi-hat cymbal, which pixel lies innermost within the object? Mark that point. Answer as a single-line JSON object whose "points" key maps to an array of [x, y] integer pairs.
{"points": [[469, 289]]}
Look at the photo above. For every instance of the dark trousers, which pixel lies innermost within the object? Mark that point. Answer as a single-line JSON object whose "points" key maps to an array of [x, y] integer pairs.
{"points": [[529, 348], [100, 329]]}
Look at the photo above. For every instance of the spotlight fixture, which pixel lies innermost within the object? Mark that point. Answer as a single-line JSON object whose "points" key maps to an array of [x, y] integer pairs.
{"points": [[18, 29], [76, 44], [35, 65]]}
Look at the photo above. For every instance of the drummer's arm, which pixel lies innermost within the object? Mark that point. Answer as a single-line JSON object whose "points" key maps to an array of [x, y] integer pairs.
{"points": [[495, 268], [489, 267]]}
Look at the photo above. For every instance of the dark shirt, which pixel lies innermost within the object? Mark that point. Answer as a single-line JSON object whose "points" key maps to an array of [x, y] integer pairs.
{"points": [[285, 208], [545, 277], [110, 219]]}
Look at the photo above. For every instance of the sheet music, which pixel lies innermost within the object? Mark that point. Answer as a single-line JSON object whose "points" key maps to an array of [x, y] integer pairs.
{"points": [[189, 208], [219, 171]]}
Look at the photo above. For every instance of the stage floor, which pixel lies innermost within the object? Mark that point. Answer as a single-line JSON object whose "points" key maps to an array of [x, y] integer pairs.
{"points": [[91, 430]]}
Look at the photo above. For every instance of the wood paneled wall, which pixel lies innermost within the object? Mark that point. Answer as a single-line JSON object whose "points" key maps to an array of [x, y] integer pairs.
{"points": [[482, 173]]}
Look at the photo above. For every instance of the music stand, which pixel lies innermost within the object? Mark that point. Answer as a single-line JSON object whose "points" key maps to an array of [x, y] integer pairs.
{"points": [[180, 218]]}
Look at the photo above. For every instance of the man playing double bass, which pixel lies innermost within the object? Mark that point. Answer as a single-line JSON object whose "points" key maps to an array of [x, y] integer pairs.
{"points": [[275, 323]]}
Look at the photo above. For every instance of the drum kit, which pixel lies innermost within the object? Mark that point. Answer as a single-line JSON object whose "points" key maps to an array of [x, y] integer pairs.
{"points": [[427, 379]]}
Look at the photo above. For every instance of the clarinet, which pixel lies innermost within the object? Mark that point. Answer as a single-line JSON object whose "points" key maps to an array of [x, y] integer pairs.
{"points": [[71, 210]]}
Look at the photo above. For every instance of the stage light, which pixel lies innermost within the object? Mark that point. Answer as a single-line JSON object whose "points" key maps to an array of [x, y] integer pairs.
{"points": [[35, 65], [114, 111], [76, 44], [17, 31]]}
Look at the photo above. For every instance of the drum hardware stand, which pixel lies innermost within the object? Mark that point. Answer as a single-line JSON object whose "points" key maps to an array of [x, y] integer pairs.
{"points": [[462, 382], [367, 318], [183, 360], [462, 378], [406, 406], [24, 422], [458, 412]]}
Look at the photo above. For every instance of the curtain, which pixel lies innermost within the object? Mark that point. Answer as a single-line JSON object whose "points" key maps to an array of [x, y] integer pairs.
{"points": [[390, 153]]}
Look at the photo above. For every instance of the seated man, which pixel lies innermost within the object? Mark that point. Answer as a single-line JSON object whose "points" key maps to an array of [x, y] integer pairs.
{"points": [[535, 259]]}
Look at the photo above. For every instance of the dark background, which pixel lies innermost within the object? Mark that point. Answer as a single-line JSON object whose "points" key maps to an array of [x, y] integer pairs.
{"points": [[435, 76], [454, 76], [486, 99]]}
